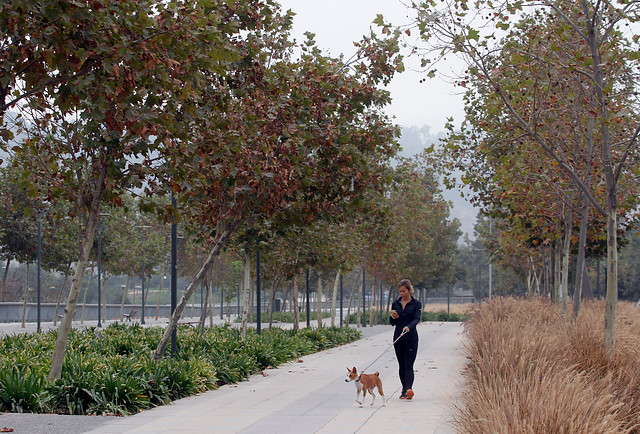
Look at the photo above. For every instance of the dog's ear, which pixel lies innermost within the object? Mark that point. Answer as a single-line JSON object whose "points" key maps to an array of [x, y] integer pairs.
{"points": [[348, 370], [354, 369]]}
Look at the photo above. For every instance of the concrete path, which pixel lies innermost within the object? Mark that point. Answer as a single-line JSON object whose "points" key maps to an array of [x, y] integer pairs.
{"points": [[307, 396], [311, 396]]}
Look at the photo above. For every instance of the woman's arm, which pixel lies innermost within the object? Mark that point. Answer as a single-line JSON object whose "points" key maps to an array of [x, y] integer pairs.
{"points": [[393, 321], [417, 312]]}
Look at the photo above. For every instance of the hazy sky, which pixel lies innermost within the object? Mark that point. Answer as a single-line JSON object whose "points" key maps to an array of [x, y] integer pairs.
{"points": [[338, 23]]}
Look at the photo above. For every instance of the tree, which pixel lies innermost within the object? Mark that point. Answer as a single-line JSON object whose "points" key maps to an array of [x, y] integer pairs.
{"points": [[18, 233], [600, 56], [298, 139], [100, 83]]}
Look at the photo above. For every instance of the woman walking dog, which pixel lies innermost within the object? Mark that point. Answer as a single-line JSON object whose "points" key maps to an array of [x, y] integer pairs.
{"points": [[405, 316]]}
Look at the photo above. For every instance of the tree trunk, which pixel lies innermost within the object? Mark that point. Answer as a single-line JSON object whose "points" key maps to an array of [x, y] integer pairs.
{"points": [[584, 222], [334, 296], [352, 293], [612, 276], [222, 234], [207, 299], [319, 300], [553, 288], [587, 289], [294, 302], [557, 273], [359, 303], [274, 288], [565, 262], [64, 283], [4, 278], [611, 178], [373, 301], [124, 294], [246, 293], [211, 302], [84, 300], [285, 299], [60, 347], [535, 284]]}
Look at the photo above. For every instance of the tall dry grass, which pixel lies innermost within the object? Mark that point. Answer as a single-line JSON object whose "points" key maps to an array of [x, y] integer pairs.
{"points": [[531, 371]]}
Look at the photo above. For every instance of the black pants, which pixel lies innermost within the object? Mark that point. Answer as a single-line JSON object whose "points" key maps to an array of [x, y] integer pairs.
{"points": [[406, 352]]}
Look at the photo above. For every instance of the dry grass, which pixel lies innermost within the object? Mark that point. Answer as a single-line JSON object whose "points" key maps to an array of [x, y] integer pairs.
{"points": [[531, 371]]}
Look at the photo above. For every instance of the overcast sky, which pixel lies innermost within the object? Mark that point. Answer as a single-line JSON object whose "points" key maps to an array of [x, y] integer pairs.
{"points": [[338, 23]]}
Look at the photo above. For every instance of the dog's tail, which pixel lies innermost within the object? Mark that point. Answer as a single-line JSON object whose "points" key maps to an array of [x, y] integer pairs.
{"points": [[380, 385], [377, 374]]}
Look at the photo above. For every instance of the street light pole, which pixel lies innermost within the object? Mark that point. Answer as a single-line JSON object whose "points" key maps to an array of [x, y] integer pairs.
{"points": [[341, 296], [174, 276], [308, 304], [39, 213], [258, 301], [99, 272], [143, 297], [364, 302]]}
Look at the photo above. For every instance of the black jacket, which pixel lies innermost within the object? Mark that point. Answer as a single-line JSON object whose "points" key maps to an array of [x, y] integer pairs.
{"points": [[409, 317]]}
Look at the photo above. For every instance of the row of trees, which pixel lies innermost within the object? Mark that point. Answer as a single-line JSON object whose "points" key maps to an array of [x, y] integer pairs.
{"points": [[264, 143], [549, 143]]}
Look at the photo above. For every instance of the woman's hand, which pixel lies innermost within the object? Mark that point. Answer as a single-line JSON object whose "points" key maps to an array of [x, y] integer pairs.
{"points": [[394, 314]]}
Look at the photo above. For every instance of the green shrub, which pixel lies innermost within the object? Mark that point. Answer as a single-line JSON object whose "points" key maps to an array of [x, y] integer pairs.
{"points": [[110, 370], [20, 391], [171, 379], [443, 316], [327, 337]]}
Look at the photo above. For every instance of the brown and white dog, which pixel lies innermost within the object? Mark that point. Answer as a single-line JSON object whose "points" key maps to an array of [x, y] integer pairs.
{"points": [[366, 383]]}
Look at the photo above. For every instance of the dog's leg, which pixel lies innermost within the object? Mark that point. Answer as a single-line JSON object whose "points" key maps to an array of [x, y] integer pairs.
{"points": [[358, 398], [373, 396], [384, 400]]}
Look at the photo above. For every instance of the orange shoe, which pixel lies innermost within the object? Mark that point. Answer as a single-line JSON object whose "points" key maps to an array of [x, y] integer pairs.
{"points": [[409, 394]]}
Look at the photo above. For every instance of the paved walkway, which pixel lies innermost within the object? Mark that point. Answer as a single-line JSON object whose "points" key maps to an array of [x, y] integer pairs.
{"points": [[307, 396]]}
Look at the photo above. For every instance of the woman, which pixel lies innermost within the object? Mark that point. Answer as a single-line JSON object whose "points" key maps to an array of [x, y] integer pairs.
{"points": [[405, 316]]}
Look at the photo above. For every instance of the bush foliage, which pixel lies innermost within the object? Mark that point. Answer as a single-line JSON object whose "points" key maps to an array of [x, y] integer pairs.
{"points": [[110, 370]]}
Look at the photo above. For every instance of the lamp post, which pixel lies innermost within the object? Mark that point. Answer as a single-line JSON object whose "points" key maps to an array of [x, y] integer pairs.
{"points": [[364, 302], [174, 275], [39, 213], [143, 239], [308, 304], [259, 310], [341, 296], [100, 267], [99, 271]]}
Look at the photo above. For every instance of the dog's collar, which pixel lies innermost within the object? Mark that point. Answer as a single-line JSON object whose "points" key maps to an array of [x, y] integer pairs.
{"points": [[357, 378]]}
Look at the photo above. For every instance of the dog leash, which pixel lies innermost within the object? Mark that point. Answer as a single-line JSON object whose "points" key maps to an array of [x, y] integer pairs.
{"points": [[386, 349]]}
